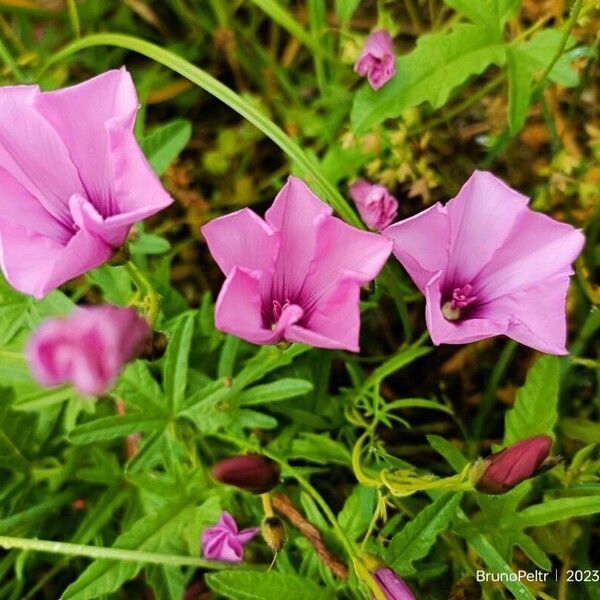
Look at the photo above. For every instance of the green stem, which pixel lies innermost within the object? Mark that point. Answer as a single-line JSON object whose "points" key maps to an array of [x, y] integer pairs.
{"points": [[10, 62], [213, 86], [98, 552], [74, 18], [143, 284]]}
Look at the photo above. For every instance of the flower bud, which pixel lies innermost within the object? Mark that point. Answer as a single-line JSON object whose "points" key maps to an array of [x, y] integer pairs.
{"points": [[502, 471], [392, 585], [377, 207], [251, 472], [273, 533]]}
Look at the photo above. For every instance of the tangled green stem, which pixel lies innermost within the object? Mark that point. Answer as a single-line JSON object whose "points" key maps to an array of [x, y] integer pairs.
{"points": [[151, 297]]}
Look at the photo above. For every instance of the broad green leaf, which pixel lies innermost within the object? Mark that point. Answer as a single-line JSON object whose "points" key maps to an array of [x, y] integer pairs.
{"points": [[438, 65], [492, 14], [557, 510], [164, 144], [176, 362], [254, 585], [358, 509], [149, 243], [117, 426], [453, 456], [114, 282], [277, 391], [520, 85], [152, 534], [581, 429], [319, 448], [535, 412], [418, 536]]}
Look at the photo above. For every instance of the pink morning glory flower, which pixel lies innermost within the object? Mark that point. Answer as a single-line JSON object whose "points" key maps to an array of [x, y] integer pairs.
{"points": [[72, 179], [377, 61], [88, 348], [489, 265], [224, 541], [295, 276], [376, 206]]}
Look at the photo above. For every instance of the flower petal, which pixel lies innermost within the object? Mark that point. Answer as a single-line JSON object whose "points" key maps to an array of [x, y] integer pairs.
{"points": [[481, 216], [421, 244], [239, 308], [295, 213], [241, 239], [247, 534]]}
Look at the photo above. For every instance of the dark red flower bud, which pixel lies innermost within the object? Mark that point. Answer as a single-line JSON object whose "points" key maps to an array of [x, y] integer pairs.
{"points": [[502, 471], [251, 472]]}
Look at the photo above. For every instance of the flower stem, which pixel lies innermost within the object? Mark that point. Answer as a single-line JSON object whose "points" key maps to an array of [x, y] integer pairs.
{"points": [[151, 297]]}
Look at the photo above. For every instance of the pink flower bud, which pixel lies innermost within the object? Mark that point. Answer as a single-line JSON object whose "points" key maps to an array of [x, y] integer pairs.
{"points": [[224, 541], [502, 471], [88, 348], [377, 61], [377, 207], [392, 585], [251, 472]]}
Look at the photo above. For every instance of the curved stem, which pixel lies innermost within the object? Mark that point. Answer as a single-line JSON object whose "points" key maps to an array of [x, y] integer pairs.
{"points": [[151, 296]]}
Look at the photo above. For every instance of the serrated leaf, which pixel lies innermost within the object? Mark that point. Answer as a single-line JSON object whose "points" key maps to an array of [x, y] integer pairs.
{"points": [[254, 585], [492, 14], [165, 143], [419, 535], [275, 392], [110, 428], [151, 533], [556, 510], [438, 65], [534, 411], [139, 388], [176, 362]]}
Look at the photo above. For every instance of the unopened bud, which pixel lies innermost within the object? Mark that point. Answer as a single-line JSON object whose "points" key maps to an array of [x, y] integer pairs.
{"points": [[392, 585], [502, 471], [251, 472], [273, 533]]}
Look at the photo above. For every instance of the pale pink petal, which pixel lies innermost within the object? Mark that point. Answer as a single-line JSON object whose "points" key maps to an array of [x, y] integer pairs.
{"points": [[422, 244], [241, 239], [376, 206], [463, 331], [536, 314], [538, 247], [239, 308], [80, 115], [481, 217], [295, 213], [32, 151], [247, 534], [377, 60], [334, 322], [227, 521]]}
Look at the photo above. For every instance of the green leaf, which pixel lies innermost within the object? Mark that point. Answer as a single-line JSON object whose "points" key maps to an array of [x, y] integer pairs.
{"points": [[167, 583], [520, 85], [149, 243], [152, 534], [254, 585], [581, 429], [176, 362], [357, 513], [535, 412], [439, 64], [344, 9], [492, 14], [117, 426], [139, 389], [453, 456], [557, 510], [164, 144], [275, 392], [533, 551], [114, 282], [418, 536], [319, 448], [395, 363]]}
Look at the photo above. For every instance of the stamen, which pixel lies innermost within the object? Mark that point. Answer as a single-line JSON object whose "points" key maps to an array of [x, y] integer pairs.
{"points": [[461, 298], [278, 309]]}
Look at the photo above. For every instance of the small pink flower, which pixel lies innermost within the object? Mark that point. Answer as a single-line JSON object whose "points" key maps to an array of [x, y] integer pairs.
{"points": [[504, 470], [72, 179], [224, 541], [87, 348], [295, 276], [377, 61], [489, 265], [392, 585], [377, 207]]}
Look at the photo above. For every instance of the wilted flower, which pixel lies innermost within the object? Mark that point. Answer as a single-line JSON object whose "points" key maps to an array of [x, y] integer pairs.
{"points": [[489, 265], [87, 348], [224, 541], [376, 206], [295, 276], [72, 179], [502, 471], [251, 472], [377, 61]]}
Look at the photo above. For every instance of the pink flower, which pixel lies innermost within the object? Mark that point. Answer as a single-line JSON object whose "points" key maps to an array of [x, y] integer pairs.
{"points": [[377, 207], [87, 348], [72, 179], [504, 470], [377, 61], [224, 541], [392, 586], [295, 276], [489, 265]]}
